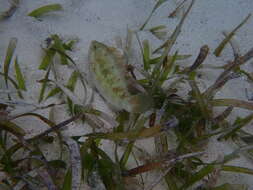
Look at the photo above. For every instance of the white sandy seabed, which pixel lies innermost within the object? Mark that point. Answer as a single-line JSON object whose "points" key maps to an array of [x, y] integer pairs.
{"points": [[103, 20]]}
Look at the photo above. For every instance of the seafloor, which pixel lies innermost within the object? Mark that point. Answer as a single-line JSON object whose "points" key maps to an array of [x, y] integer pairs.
{"points": [[103, 20]]}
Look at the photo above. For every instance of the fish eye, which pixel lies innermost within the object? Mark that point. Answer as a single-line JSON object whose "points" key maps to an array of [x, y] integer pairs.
{"points": [[96, 45]]}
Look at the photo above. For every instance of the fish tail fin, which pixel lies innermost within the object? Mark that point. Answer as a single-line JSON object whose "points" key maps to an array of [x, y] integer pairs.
{"points": [[139, 103]]}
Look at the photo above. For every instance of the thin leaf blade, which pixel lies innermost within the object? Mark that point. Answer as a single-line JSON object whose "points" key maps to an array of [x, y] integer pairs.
{"points": [[9, 54], [221, 46], [19, 76], [45, 9]]}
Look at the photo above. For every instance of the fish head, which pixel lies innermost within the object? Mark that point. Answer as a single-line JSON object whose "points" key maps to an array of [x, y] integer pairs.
{"points": [[97, 49]]}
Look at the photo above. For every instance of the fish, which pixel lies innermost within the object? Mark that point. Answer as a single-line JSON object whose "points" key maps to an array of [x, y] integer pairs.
{"points": [[108, 74]]}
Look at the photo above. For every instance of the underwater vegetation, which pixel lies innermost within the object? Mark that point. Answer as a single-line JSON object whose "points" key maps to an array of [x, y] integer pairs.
{"points": [[147, 105]]}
